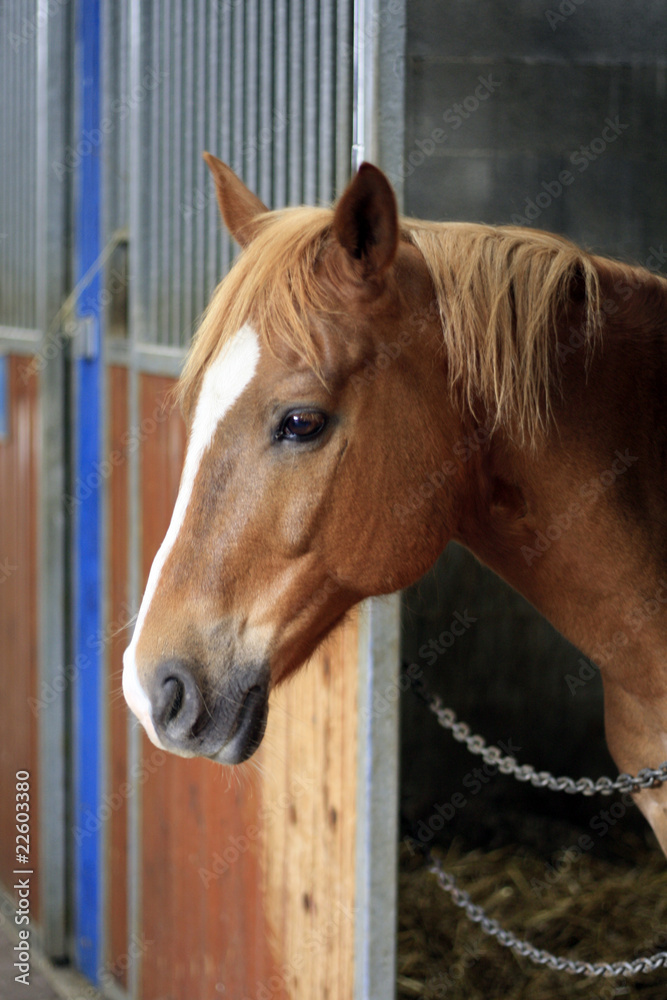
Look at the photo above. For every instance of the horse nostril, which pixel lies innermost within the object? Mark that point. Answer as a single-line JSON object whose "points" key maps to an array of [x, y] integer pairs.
{"points": [[173, 690], [177, 702]]}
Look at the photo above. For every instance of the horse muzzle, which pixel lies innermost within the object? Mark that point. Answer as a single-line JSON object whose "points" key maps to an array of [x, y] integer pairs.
{"points": [[193, 719]]}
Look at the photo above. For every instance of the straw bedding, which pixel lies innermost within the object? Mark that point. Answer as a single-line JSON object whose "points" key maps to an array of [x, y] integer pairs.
{"points": [[592, 907]]}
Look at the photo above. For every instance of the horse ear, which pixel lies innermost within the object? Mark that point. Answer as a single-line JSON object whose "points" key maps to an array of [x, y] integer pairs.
{"points": [[366, 221], [239, 207]]}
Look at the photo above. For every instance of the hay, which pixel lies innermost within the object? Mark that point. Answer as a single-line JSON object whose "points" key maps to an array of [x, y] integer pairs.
{"points": [[584, 907]]}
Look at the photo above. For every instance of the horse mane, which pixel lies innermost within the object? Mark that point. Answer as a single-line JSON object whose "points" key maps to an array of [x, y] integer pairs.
{"points": [[500, 293]]}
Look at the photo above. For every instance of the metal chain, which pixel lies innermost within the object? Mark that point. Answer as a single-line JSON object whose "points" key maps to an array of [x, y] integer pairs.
{"points": [[648, 777], [646, 963]]}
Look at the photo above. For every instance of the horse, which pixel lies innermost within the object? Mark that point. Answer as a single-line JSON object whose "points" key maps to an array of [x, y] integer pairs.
{"points": [[338, 376]]}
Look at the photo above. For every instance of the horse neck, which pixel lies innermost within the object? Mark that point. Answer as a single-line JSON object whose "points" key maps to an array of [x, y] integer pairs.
{"points": [[578, 525]]}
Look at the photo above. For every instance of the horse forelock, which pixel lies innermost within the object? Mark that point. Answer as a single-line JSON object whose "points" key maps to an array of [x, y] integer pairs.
{"points": [[273, 286]]}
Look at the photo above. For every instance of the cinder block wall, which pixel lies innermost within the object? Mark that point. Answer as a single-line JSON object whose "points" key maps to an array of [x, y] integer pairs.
{"points": [[551, 115]]}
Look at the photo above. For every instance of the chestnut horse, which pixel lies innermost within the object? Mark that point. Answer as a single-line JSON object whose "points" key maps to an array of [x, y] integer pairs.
{"points": [[339, 376]]}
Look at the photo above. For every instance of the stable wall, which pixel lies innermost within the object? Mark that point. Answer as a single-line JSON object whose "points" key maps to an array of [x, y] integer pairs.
{"points": [[501, 100]]}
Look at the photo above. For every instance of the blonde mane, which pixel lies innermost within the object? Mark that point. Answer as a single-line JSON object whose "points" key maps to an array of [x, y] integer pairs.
{"points": [[500, 293]]}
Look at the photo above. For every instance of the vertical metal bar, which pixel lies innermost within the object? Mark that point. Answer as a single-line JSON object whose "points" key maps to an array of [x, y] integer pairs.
{"points": [[163, 151], [25, 121], [176, 114], [251, 79], [123, 43], [4, 107], [12, 201], [326, 122], [237, 103], [296, 16], [87, 523], [344, 110], [205, 93], [15, 116], [149, 108], [30, 227], [280, 106], [216, 111], [376, 30], [377, 802], [51, 231], [362, 80], [186, 152], [265, 134], [226, 121], [310, 101], [389, 121]]}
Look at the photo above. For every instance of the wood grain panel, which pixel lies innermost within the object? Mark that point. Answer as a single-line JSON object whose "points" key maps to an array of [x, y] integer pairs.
{"points": [[308, 836], [248, 873], [119, 442], [21, 703]]}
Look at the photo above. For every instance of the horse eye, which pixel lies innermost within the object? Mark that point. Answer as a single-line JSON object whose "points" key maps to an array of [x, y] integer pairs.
{"points": [[302, 425]]}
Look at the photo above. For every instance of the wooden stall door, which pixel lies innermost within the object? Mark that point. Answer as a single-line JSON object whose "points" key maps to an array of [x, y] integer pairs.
{"points": [[22, 702]]}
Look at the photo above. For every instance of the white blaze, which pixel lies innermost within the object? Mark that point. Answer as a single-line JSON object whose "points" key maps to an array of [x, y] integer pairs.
{"points": [[223, 383]]}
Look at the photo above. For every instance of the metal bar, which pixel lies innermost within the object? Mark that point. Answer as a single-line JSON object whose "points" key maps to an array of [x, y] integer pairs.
{"points": [[162, 151], [364, 52], [4, 174], [379, 643], [88, 687], [326, 122], [54, 52], [251, 88], [295, 168], [208, 83], [226, 126], [265, 134], [377, 800], [174, 276], [12, 200], [344, 109], [389, 120], [186, 152], [280, 104], [149, 108], [310, 102]]}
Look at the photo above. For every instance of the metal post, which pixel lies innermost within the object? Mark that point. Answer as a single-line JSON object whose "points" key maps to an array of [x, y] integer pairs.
{"points": [[379, 30]]}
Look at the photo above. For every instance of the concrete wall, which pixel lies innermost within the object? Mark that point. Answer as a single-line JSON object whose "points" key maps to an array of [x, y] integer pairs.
{"points": [[549, 114]]}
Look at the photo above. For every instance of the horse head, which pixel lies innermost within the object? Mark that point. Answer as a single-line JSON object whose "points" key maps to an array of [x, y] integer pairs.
{"points": [[308, 397]]}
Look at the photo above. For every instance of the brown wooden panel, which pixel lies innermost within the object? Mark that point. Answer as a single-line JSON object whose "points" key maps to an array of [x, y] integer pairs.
{"points": [[248, 873], [20, 705], [118, 445], [308, 762]]}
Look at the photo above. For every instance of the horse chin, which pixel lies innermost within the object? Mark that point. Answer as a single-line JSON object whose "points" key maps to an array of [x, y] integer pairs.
{"points": [[250, 733]]}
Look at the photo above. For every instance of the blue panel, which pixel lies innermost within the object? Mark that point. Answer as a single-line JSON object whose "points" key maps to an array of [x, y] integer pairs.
{"points": [[86, 504]]}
